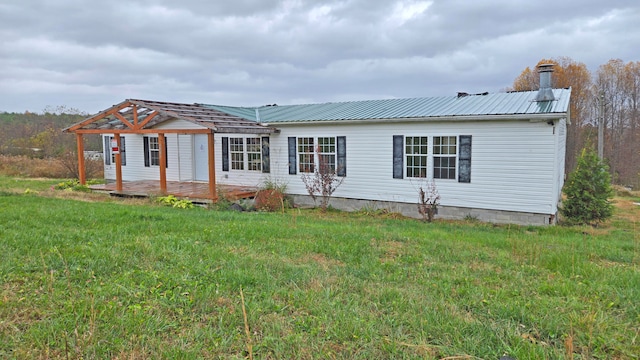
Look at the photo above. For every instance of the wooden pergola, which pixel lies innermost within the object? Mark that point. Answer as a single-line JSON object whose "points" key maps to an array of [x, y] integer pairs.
{"points": [[141, 116]]}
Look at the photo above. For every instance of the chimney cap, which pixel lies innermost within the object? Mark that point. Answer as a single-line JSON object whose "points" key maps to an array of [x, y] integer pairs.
{"points": [[545, 67]]}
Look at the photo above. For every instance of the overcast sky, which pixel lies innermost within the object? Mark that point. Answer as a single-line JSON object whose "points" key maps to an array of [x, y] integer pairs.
{"points": [[89, 55]]}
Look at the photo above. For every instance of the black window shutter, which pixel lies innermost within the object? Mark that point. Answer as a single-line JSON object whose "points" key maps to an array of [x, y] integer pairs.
{"points": [[292, 156], [166, 153], [225, 154], [266, 162], [123, 151], [341, 170], [107, 150], [398, 156], [464, 159], [145, 143]]}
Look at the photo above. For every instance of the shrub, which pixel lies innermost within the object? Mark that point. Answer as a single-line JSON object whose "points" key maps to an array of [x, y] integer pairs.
{"points": [[271, 196], [172, 201], [71, 185], [587, 191], [323, 182], [428, 200]]}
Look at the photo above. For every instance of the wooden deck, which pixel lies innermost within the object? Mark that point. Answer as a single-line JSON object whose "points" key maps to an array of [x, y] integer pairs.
{"points": [[194, 191]]}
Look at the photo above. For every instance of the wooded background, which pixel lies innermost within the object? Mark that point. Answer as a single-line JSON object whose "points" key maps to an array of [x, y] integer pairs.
{"points": [[617, 83]]}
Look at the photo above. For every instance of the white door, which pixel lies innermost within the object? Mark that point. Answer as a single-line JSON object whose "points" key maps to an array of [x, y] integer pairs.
{"points": [[201, 157]]}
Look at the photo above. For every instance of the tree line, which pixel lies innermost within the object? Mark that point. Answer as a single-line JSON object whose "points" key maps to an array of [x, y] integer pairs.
{"points": [[40, 135], [611, 93]]}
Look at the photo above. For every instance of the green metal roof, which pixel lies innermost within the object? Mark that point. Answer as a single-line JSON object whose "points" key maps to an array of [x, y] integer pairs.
{"points": [[509, 103]]}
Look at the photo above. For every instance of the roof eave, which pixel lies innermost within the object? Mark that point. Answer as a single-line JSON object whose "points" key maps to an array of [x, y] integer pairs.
{"points": [[448, 118]]}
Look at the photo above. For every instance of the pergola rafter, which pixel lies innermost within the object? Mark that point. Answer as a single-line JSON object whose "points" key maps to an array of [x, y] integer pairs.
{"points": [[140, 116]]}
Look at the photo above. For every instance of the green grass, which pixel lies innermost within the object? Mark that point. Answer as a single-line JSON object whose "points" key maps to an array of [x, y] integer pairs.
{"points": [[96, 279]]}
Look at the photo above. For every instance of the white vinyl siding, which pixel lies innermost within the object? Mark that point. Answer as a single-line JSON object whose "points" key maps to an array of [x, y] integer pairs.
{"points": [[512, 166]]}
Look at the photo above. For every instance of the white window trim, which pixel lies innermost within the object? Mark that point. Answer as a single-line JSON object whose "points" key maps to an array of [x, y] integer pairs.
{"points": [[245, 153], [431, 156]]}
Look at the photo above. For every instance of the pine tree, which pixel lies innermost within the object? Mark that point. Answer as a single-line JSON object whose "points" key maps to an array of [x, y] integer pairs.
{"points": [[588, 191]]}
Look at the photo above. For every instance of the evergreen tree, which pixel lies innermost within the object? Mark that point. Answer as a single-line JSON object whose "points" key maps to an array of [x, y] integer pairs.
{"points": [[588, 191]]}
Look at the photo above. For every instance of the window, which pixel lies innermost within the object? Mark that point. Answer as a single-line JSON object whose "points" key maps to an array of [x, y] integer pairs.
{"points": [[254, 151], [327, 152], [416, 151], [444, 157], [449, 157], [151, 151], [245, 154], [109, 156], [331, 151], [306, 154], [236, 149], [154, 151]]}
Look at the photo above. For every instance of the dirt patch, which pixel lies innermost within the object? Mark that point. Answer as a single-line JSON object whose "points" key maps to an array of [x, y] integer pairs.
{"points": [[627, 209], [322, 260], [390, 250]]}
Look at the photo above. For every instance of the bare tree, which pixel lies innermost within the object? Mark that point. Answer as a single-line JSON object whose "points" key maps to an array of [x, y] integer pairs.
{"points": [[324, 180]]}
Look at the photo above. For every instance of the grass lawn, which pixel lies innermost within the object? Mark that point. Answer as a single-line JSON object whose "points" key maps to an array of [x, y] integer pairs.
{"points": [[132, 280]]}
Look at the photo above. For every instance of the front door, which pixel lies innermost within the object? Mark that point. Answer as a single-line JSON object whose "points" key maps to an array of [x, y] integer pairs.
{"points": [[201, 157]]}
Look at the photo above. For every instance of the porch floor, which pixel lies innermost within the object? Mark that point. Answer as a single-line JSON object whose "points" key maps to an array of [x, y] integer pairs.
{"points": [[195, 191]]}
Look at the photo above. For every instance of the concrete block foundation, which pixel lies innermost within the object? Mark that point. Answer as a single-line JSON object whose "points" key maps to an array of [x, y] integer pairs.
{"points": [[444, 212]]}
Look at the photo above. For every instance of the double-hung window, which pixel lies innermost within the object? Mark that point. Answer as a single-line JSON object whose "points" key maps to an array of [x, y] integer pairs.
{"points": [[444, 157], [417, 152], [154, 151], [306, 154], [254, 151], [236, 149], [151, 151], [327, 153], [109, 156]]}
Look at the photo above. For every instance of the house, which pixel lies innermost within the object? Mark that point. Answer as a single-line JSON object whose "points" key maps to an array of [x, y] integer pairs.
{"points": [[496, 157]]}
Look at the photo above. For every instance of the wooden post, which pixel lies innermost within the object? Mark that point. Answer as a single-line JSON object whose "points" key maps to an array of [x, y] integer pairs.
{"points": [[213, 194], [163, 163], [118, 163], [82, 177]]}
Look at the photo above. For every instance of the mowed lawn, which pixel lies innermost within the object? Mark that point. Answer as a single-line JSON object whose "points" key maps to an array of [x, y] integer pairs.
{"points": [[93, 278]]}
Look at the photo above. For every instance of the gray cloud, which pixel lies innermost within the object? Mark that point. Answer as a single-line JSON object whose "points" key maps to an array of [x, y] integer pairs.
{"points": [[255, 52]]}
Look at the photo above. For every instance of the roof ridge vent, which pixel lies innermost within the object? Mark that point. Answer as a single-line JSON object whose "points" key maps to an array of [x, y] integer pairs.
{"points": [[545, 93]]}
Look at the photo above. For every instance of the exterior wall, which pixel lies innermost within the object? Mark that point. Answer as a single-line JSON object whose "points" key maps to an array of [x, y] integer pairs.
{"points": [[512, 165], [185, 157], [517, 167], [135, 169]]}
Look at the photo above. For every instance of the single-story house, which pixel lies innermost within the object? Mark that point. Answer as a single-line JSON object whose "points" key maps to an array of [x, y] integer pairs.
{"points": [[496, 157]]}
